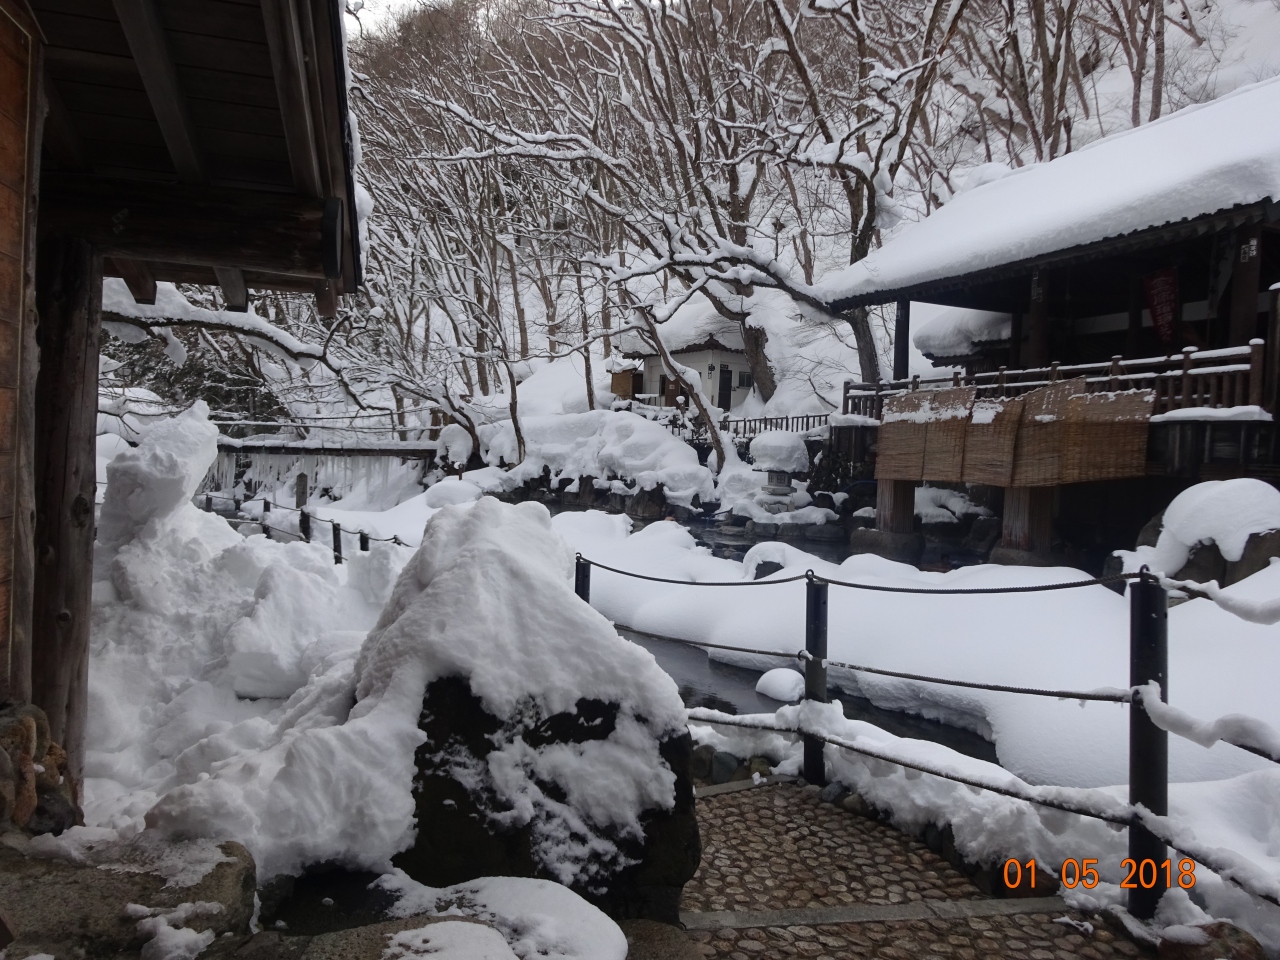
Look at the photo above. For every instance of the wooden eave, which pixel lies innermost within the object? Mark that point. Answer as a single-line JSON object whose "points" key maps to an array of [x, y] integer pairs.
{"points": [[204, 141], [953, 289]]}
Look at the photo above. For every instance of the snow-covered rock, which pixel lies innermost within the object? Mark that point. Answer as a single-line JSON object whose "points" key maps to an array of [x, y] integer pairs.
{"points": [[781, 683], [545, 738]]}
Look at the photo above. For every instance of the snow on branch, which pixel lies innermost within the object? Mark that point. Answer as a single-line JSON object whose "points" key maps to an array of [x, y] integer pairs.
{"points": [[1236, 729]]}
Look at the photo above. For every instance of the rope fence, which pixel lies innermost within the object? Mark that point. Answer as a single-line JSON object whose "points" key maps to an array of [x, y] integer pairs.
{"points": [[1145, 816], [305, 520]]}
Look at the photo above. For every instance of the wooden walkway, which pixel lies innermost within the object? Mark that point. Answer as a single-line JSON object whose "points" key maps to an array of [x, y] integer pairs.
{"points": [[784, 874]]}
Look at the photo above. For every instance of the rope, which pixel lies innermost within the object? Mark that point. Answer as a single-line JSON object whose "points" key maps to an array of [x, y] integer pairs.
{"points": [[1105, 696], [810, 575], [279, 507], [1135, 815], [698, 583], [1096, 581]]}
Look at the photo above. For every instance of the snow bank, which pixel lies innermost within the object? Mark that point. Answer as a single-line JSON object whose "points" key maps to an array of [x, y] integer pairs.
{"points": [[780, 450], [939, 505], [1222, 512], [603, 444], [1072, 639]]}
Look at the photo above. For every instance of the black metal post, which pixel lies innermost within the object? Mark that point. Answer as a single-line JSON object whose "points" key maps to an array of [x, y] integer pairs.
{"points": [[582, 578], [1148, 744], [815, 670], [364, 542], [902, 341], [304, 525], [337, 542], [266, 516], [208, 503]]}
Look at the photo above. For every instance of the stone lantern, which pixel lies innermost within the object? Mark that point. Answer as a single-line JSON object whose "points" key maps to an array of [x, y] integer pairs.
{"points": [[781, 455]]}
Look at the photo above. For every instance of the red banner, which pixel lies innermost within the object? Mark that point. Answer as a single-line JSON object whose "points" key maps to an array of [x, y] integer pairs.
{"points": [[1160, 290]]}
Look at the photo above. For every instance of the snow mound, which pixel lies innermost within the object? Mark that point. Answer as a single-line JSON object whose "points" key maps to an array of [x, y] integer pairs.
{"points": [[780, 450], [450, 940], [602, 444], [781, 683], [538, 918], [450, 491], [489, 598], [953, 332], [1222, 512]]}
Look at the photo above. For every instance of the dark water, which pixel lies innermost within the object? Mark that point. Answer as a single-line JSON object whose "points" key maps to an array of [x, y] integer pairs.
{"points": [[704, 682]]}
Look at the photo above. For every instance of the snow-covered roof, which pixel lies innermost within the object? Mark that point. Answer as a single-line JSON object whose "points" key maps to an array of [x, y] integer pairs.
{"points": [[1196, 162], [692, 326], [954, 332]]}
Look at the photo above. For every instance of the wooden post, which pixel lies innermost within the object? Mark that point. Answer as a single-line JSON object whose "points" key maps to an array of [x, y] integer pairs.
{"points": [[1257, 352], [1185, 400], [1028, 519], [1038, 322], [815, 671], [69, 297], [337, 542], [1133, 336], [24, 97], [304, 525], [1015, 339], [1246, 278], [1148, 744], [902, 341], [300, 491], [364, 542], [895, 506], [266, 518], [1273, 351]]}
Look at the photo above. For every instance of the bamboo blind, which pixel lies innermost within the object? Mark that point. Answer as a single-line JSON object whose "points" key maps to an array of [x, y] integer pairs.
{"points": [[945, 437], [990, 441]]}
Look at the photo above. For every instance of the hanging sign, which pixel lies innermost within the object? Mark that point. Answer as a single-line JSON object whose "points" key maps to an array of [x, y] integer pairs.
{"points": [[1160, 290]]}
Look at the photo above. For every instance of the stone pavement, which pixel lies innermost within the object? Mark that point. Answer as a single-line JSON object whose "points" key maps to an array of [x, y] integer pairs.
{"points": [[784, 874]]}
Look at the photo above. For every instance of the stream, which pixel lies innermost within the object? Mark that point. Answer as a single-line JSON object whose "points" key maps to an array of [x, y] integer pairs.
{"points": [[704, 682]]}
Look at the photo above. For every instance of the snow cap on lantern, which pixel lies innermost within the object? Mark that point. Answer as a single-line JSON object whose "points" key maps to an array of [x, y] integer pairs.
{"points": [[781, 454]]}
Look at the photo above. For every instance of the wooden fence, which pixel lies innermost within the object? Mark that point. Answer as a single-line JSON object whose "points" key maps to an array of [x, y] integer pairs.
{"points": [[1230, 377]]}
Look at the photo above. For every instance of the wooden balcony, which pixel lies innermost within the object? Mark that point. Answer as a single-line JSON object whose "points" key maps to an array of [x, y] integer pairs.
{"points": [[1230, 377]]}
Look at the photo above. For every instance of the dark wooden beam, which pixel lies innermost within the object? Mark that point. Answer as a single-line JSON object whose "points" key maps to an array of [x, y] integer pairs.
{"points": [[145, 33], [1037, 353], [261, 232], [234, 292], [289, 65], [137, 276], [895, 506], [902, 341], [326, 299], [69, 298], [1246, 278], [1028, 519]]}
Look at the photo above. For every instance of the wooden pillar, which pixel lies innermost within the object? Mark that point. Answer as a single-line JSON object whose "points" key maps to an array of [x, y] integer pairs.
{"points": [[21, 126], [1028, 519], [69, 299], [1246, 277], [895, 506], [1133, 337], [1038, 323], [1269, 394], [902, 341]]}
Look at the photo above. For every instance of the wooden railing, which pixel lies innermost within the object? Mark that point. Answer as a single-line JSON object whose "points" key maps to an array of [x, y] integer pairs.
{"points": [[754, 426], [1229, 377]]}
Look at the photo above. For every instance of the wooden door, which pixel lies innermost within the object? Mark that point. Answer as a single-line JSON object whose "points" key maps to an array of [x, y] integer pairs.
{"points": [[724, 397], [17, 54]]}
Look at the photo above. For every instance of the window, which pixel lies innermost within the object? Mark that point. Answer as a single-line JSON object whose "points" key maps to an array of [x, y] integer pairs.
{"points": [[744, 379]]}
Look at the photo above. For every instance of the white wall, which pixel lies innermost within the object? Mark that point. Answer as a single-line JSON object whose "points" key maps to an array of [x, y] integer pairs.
{"points": [[700, 361]]}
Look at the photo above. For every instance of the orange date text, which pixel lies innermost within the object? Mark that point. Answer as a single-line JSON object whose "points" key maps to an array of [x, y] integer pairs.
{"points": [[1146, 874]]}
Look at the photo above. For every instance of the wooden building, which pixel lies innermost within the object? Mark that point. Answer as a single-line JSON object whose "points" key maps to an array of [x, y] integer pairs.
{"points": [[1127, 344], [195, 141], [704, 342]]}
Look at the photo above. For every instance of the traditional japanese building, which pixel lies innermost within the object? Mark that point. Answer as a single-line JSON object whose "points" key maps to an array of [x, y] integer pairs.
{"points": [[701, 340], [205, 143], [1112, 336]]}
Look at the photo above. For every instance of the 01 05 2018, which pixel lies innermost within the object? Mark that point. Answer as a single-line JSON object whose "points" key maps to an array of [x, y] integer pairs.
{"points": [[1084, 872]]}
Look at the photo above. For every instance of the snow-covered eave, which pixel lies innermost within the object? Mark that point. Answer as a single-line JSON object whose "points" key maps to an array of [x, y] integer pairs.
{"points": [[711, 343], [936, 289]]}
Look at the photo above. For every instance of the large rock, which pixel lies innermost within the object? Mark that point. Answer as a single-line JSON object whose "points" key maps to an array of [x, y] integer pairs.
{"points": [[543, 744], [77, 909], [1257, 555], [465, 829], [903, 547]]}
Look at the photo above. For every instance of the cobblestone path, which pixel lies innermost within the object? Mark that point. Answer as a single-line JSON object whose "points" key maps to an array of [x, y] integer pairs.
{"points": [[778, 864]]}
